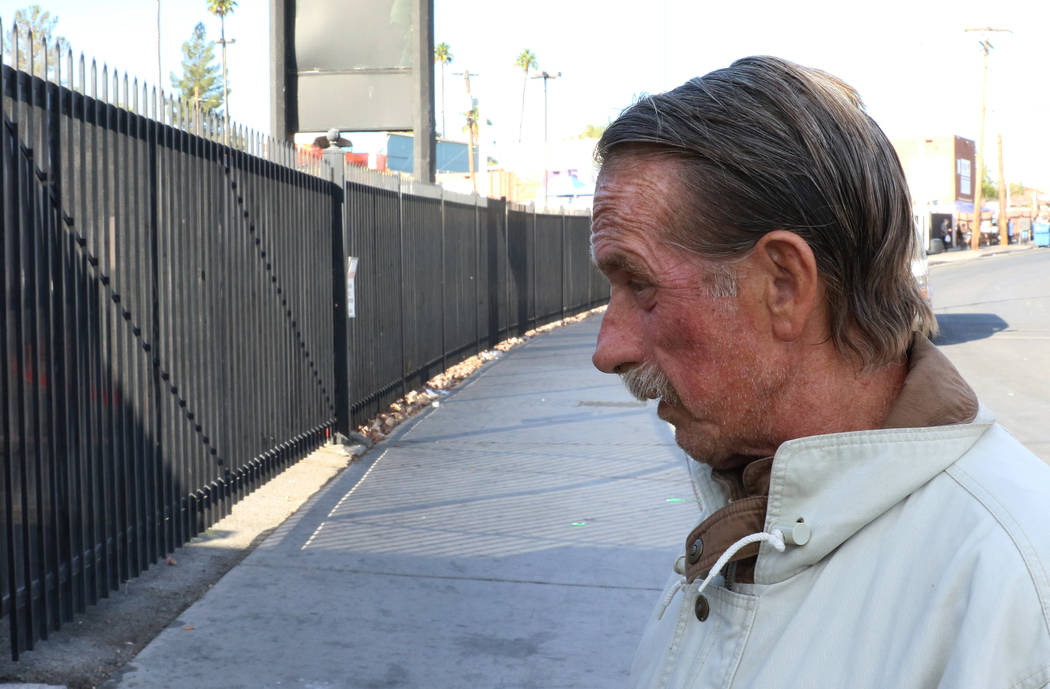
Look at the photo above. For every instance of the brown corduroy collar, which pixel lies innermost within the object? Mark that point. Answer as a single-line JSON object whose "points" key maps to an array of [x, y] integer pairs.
{"points": [[933, 394]]}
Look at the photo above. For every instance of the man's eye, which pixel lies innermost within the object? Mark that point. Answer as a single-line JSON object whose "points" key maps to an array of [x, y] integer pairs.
{"points": [[638, 286]]}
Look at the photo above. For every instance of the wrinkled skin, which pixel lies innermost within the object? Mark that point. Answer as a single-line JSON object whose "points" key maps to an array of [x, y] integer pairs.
{"points": [[665, 311]]}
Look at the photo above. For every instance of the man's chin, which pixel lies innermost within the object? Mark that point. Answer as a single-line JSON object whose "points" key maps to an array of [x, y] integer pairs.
{"points": [[703, 449], [702, 441]]}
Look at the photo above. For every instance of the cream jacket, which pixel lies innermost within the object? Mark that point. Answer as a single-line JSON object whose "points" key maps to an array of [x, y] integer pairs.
{"points": [[928, 566]]}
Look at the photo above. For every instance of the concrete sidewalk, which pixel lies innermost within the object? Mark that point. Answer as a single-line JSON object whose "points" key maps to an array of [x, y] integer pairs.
{"points": [[956, 255], [517, 535]]}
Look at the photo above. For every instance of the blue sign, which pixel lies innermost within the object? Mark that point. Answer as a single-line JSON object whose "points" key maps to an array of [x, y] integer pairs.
{"points": [[451, 156]]}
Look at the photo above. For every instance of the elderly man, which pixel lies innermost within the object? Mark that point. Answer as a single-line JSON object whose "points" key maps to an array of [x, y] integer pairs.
{"points": [[866, 523]]}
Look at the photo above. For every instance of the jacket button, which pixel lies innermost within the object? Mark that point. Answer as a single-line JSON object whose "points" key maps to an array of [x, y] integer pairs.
{"points": [[695, 551], [702, 608]]}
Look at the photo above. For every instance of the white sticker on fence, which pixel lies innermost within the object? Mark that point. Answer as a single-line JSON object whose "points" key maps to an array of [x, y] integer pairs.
{"points": [[351, 271]]}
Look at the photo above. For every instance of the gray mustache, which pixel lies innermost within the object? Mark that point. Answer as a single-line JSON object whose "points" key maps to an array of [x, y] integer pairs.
{"points": [[647, 381]]}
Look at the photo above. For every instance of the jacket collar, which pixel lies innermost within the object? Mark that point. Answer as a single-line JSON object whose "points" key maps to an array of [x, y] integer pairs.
{"points": [[934, 392], [830, 481], [841, 482]]}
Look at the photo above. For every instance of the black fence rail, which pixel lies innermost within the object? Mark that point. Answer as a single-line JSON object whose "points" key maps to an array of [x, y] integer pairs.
{"points": [[175, 328], [442, 276]]}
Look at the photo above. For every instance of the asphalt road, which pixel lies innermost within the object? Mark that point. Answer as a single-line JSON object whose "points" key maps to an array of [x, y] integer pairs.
{"points": [[994, 316]]}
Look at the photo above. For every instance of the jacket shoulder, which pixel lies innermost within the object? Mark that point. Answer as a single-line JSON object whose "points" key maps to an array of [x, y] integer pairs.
{"points": [[1012, 486]]}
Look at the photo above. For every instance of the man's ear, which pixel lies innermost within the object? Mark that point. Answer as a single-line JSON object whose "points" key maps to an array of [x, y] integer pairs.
{"points": [[790, 281]]}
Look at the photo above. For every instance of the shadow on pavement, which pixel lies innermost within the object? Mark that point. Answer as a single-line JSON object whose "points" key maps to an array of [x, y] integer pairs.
{"points": [[956, 328]]}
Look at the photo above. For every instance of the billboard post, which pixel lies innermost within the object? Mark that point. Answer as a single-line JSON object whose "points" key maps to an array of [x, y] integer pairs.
{"points": [[282, 14], [424, 149]]}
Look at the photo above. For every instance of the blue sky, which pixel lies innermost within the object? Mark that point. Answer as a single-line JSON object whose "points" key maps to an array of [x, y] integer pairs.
{"points": [[918, 71]]}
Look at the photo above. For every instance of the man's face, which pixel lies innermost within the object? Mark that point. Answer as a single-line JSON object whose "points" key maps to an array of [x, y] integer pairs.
{"points": [[674, 312]]}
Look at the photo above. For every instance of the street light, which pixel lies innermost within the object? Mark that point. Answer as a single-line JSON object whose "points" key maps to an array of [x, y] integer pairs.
{"points": [[546, 76]]}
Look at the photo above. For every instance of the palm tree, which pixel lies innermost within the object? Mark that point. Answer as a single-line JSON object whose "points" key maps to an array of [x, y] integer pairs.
{"points": [[221, 8], [527, 61], [442, 54]]}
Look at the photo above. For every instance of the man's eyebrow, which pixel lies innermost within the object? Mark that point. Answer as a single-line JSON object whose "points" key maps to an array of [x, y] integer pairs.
{"points": [[622, 262]]}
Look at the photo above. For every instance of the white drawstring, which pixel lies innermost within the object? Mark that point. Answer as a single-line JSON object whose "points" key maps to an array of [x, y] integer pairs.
{"points": [[775, 538], [666, 602]]}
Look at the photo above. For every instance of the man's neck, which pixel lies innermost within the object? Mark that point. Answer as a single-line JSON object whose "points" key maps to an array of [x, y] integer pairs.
{"points": [[832, 396]]}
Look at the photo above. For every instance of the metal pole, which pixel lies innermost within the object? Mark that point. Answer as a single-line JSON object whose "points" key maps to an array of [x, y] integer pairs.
{"points": [[340, 250], [975, 232], [225, 88], [472, 126], [986, 46], [280, 28], [1004, 235], [546, 161], [546, 76], [424, 147]]}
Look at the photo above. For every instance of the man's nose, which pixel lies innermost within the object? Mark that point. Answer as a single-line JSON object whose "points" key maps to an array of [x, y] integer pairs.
{"points": [[618, 347]]}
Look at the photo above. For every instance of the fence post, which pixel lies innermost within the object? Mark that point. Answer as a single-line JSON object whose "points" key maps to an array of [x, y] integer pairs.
{"points": [[401, 285], [444, 299], [341, 395], [566, 263], [477, 275], [534, 308], [495, 211]]}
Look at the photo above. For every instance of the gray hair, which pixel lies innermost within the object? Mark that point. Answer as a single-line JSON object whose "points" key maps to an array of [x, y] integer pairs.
{"points": [[765, 145]]}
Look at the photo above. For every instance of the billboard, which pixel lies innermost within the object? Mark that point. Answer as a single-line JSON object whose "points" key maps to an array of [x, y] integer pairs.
{"points": [[352, 65], [965, 169]]}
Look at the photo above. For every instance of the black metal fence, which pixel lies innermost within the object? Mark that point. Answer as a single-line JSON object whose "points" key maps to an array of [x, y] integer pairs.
{"points": [[443, 276], [167, 337], [175, 331]]}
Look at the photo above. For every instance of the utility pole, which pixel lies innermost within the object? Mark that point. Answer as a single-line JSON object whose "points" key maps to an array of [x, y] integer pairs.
{"points": [[986, 46], [975, 230], [223, 41], [1004, 235], [472, 126], [546, 76]]}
